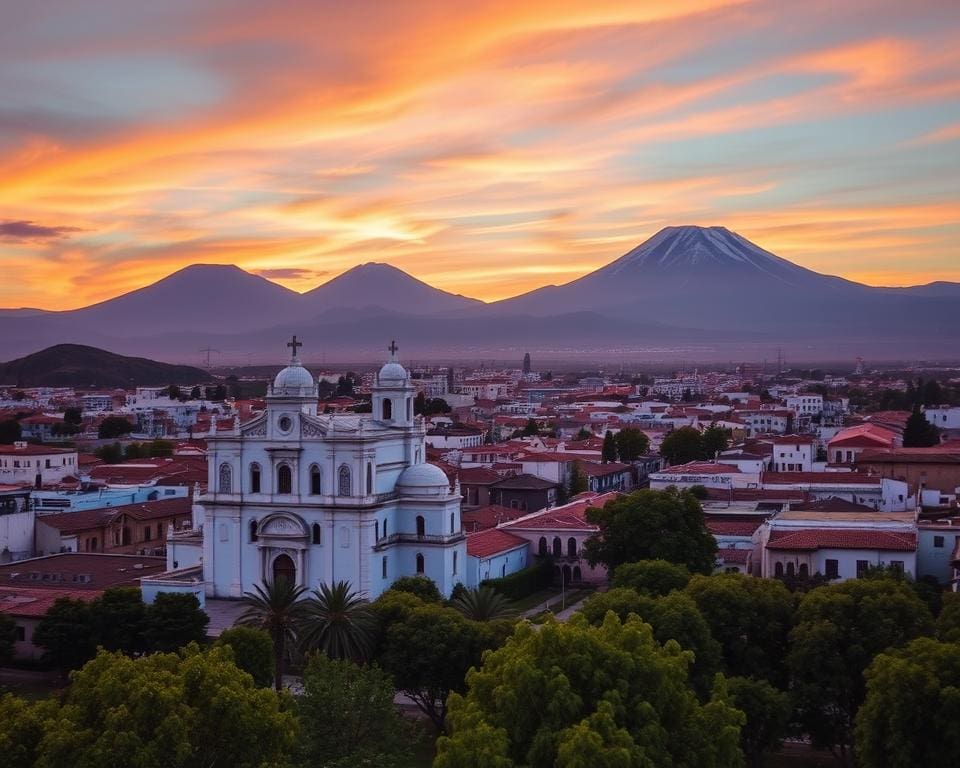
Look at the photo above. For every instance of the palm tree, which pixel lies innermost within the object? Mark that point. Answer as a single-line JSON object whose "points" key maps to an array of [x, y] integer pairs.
{"points": [[483, 604], [338, 622], [277, 609]]}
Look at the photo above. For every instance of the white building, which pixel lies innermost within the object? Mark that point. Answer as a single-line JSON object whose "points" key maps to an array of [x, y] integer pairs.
{"points": [[793, 453], [24, 464], [805, 404], [324, 498], [944, 416]]}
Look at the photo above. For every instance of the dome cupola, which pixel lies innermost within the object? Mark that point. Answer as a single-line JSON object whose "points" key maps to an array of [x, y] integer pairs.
{"points": [[423, 480], [294, 380]]}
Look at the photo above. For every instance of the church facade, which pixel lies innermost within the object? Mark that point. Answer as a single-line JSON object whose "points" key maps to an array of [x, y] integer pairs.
{"points": [[328, 497]]}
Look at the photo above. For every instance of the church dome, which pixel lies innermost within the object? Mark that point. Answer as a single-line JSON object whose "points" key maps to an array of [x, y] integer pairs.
{"points": [[423, 480], [392, 371], [294, 380]]}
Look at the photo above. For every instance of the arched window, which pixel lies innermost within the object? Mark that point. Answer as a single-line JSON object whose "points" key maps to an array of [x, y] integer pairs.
{"points": [[343, 481], [804, 570], [542, 549], [225, 483], [376, 525], [384, 527], [316, 485], [557, 547], [571, 547], [315, 533], [254, 478], [284, 479], [577, 573], [253, 530], [454, 562], [387, 409], [284, 570], [790, 569], [421, 525], [452, 518], [369, 479], [408, 409], [383, 567], [419, 563], [778, 570]]}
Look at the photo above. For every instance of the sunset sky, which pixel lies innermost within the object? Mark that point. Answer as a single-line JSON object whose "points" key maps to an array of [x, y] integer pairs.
{"points": [[484, 147]]}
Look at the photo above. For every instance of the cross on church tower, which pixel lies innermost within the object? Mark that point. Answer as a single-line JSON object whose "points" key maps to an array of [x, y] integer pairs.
{"points": [[293, 344], [393, 349]]}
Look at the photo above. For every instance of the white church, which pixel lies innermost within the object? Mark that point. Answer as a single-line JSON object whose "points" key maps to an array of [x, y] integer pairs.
{"points": [[328, 497]]}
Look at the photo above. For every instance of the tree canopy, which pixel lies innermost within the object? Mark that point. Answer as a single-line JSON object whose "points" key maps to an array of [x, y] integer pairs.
{"points": [[632, 443], [682, 445], [651, 577], [252, 651], [571, 694], [114, 426], [650, 525], [918, 432]]}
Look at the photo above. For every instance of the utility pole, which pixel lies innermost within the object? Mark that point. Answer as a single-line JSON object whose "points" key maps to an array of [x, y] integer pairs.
{"points": [[207, 351]]}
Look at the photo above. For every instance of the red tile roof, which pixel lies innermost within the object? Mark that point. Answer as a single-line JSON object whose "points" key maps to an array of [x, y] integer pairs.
{"points": [[842, 538], [492, 542], [701, 468], [104, 570], [731, 555], [478, 476], [863, 435], [732, 527], [567, 517], [33, 602], [488, 517], [819, 478], [32, 450]]}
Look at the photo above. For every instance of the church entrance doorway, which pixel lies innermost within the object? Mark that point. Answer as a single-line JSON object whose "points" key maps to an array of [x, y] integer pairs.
{"points": [[284, 569]]}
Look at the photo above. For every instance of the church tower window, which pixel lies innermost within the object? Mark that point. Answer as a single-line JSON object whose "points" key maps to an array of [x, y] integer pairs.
{"points": [[254, 478], [408, 409], [316, 484], [420, 566], [253, 530], [225, 480], [451, 522], [421, 526], [383, 567], [387, 409], [369, 479], [315, 533], [455, 563], [343, 481], [284, 479], [376, 524]]}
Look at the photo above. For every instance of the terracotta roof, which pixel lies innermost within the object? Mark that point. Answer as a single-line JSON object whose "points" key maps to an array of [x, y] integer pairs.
{"points": [[819, 478], [841, 538], [492, 542], [478, 476], [595, 469], [84, 520], [103, 570], [488, 517], [32, 450], [863, 435], [568, 517], [524, 482], [701, 468], [35, 601], [833, 504], [732, 527], [937, 454], [731, 555]]}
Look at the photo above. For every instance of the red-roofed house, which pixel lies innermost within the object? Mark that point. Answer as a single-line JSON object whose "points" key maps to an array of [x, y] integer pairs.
{"points": [[24, 464], [493, 554], [845, 446], [705, 473]]}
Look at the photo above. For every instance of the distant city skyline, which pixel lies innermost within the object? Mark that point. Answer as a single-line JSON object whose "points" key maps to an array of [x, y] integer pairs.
{"points": [[487, 150]]}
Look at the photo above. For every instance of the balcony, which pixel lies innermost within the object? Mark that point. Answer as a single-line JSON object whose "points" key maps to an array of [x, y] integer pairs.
{"points": [[430, 540]]}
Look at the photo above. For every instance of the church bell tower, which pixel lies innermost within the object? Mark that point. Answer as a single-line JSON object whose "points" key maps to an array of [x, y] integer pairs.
{"points": [[392, 393]]}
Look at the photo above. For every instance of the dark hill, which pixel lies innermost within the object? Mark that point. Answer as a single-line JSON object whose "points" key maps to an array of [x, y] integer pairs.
{"points": [[75, 365]]}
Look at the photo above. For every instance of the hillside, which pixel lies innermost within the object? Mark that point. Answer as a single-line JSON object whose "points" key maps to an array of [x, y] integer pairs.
{"points": [[74, 365]]}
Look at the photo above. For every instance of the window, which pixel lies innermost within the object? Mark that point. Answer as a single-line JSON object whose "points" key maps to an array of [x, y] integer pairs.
{"points": [[147, 533], [862, 566], [284, 479], [254, 478], [778, 570], [376, 528], [804, 570], [419, 563], [938, 541], [455, 563], [384, 528], [557, 547], [832, 568], [316, 484], [225, 479], [897, 565], [21, 634], [369, 479], [315, 533], [452, 519], [383, 567], [542, 549], [343, 481], [791, 571], [253, 530], [571, 547], [387, 409], [421, 526]]}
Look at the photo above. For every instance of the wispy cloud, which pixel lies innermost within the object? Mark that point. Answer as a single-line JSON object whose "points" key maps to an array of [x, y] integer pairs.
{"points": [[28, 231]]}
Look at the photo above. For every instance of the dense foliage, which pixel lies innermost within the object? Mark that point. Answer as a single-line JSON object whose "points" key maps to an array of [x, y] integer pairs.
{"points": [[523, 583]]}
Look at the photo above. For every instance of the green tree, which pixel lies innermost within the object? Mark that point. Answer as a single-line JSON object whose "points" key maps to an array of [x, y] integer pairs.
{"points": [[118, 620], [948, 621], [195, 393], [750, 618], [651, 525], [111, 453], [583, 434], [682, 445], [919, 433], [421, 586], [609, 451], [578, 480], [348, 717], [252, 651], [73, 416], [715, 439], [160, 448], [186, 710], [114, 426], [632, 443], [8, 636], [651, 577], [173, 392], [66, 634], [571, 694], [429, 651], [10, 431], [530, 429], [910, 713], [674, 617], [768, 712], [276, 607], [483, 604], [839, 629], [174, 621], [337, 622]]}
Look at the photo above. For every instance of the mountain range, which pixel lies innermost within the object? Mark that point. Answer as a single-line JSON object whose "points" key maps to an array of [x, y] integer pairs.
{"points": [[685, 293]]}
